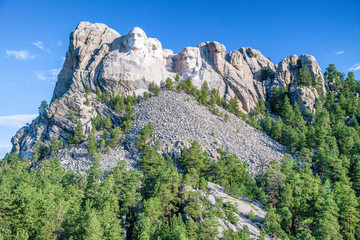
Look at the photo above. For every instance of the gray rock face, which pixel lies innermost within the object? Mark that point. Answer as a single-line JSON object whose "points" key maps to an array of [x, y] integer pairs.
{"points": [[177, 121], [98, 56], [287, 74], [243, 208]]}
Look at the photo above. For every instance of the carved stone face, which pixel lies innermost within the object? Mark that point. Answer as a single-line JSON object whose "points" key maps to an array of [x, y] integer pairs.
{"points": [[154, 47], [136, 39], [189, 60]]}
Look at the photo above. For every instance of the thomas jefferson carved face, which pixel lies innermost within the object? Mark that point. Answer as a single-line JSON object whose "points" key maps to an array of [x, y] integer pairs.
{"points": [[136, 39]]}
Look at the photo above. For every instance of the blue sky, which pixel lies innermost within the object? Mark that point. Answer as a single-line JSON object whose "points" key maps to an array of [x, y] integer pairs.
{"points": [[35, 36]]}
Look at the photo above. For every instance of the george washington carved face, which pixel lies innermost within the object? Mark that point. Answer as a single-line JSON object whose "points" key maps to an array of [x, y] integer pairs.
{"points": [[136, 39]]}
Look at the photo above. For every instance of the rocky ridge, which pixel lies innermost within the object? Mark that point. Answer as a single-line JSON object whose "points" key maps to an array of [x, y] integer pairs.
{"points": [[178, 119], [99, 57]]}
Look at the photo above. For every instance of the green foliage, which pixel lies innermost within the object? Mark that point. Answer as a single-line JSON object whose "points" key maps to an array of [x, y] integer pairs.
{"points": [[87, 102], [305, 78], [145, 136], [226, 117], [193, 158], [97, 122], [37, 150], [78, 136], [146, 95], [128, 118], [265, 73], [43, 106], [107, 122], [229, 172], [92, 145], [204, 92], [154, 89], [54, 145], [72, 116], [177, 78], [98, 91], [117, 103], [169, 84], [251, 216], [104, 96], [87, 88], [260, 108], [116, 137], [314, 195]]}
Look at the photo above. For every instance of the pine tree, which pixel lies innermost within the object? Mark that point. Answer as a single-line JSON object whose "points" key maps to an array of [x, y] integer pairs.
{"points": [[61, 143], [108, 123], [54, 145], [102, 144], [145, 136], [327, 226], [92, 228], [36, 150], [204, 92], [287, 112], [276, 131], [177, 78], [155, 89], [78, 135], [226, 117], [272, 223], [169, 84], [92, 145], [116, 137], [43, 106], [348, 208], [93, 177], [305, 78]]}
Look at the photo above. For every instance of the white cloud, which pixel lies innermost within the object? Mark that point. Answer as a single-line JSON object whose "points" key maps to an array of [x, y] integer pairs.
{"points": [[16, 121], [339, 52], [49, 75], [59, 43], [21, 54], [355, 67], [6, 146], [4, 149], [39, 44]]}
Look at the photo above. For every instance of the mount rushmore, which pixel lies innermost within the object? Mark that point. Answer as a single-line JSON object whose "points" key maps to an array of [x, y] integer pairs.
{"points": [[99, 57]]}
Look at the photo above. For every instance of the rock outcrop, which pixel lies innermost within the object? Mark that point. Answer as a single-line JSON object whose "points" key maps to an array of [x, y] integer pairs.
{"points": [[287, 74], [99, 57], [177, 120], [243, 207]]}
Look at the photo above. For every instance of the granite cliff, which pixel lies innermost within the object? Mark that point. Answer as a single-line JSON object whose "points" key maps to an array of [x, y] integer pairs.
{"points": [[99, 57]]}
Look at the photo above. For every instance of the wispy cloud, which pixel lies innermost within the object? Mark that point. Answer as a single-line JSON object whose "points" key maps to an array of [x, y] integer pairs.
{"points": [[339, 52], [6, 146], [49, 75], [20, 55], [355, 67], [16, 121], [59, 43], [39, 44]]}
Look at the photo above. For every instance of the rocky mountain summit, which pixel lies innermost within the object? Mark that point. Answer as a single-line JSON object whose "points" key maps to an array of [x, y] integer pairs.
{"points": [[99, 57]]}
